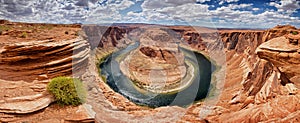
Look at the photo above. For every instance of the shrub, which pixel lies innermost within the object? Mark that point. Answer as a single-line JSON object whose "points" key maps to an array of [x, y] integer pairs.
{"points": [[67, 91], [103, 78], [294, 33], [66, 32], [24, 35], [4, 28], [78, 33]]}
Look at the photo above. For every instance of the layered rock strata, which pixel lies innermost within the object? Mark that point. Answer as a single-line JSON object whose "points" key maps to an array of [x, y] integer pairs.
{"points": [[265, 82], [26, 67], [285, 56], [254, 88], [41, 60], [157, 64]]}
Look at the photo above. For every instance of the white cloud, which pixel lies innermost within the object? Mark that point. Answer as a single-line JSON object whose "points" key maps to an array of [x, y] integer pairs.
{"points": [[227, 16], [154, 4], [166, 11], [122, 5], [62, 11], [239, 6], [286, 6], [185, 12], [246, 18], [202, 1], [227, 1]]}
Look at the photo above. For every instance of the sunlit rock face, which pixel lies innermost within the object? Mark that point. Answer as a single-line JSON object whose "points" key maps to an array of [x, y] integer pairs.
{"points": [[284, 55], [157, 64]]}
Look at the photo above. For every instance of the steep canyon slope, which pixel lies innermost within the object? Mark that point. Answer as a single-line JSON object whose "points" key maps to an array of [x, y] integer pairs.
{"points": [[251, 83]]}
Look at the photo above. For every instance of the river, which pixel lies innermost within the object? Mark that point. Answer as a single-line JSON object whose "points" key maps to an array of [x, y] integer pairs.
{"points": [[197, 90]]}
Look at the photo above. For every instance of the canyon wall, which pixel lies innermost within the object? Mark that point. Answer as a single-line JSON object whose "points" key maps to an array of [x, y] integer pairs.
{"points": [[42, 59], [252, 81], [263, 82]]}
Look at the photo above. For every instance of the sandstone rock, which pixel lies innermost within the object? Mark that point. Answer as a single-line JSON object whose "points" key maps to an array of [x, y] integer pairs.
{"points": [[157, 63], [284, 56], [293, 38], [263, 80], [84, 114], [245, 44], [26, 67], [42, 59], [291, 88], [274, 110], [26, 104], [105, 37]]}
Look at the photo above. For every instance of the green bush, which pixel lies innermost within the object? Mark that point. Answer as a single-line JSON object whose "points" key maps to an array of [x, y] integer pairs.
{"points": [[103, 78], [294, 33], [4, 28], [24, 35], [67, 91]]}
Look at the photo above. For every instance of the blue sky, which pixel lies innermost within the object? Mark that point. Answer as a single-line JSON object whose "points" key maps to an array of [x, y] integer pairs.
{"points": [[209, 13]]}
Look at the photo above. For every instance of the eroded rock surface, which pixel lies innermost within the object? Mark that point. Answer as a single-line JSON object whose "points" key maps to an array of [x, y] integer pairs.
{"points": [[251, 83], [27, 67], [41, 60], [265, 87], [157, 64], [284, 56]]}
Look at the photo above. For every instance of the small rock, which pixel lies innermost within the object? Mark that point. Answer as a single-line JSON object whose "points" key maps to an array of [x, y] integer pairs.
{"points": [[43, 77], [94, 90], [291, 88]]}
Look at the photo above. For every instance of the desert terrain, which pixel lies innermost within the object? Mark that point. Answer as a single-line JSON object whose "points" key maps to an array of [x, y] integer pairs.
{"points": [[257, 79]]}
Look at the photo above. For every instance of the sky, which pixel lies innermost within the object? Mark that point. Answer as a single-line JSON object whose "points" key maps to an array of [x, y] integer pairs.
{"points": [[208, 13]]}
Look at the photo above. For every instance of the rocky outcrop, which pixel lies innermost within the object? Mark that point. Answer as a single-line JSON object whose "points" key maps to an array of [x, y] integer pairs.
{"points": [[284, 56], [107, 36], [41, 60], [157, 64], [279, 30], [241, 40], [266, 81], [293, 37], [26, 67], [250, 81], [25, 104]]}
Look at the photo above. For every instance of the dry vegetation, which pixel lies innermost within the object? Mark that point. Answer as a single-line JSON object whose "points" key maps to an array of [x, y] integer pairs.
{"points": [[16, 32]]}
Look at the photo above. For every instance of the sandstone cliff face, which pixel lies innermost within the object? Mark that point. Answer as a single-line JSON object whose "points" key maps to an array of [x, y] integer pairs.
{"points": [[284, 56], [107, 36], [251, 84], [265, 82], [42, 59]]}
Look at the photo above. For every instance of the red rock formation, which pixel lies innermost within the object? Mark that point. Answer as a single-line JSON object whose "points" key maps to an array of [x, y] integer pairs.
{"points": [[263, 83], [42, 59], [251, 83], [106, 36], [156, 65]]}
